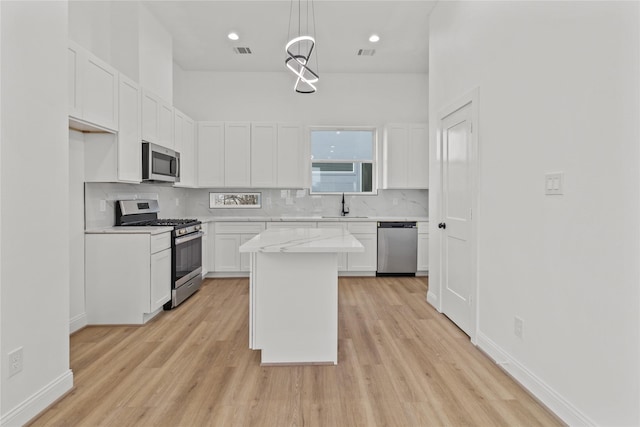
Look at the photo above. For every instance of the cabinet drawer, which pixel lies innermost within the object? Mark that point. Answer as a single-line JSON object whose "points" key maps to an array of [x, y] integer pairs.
{"points": [[160, 242], [239, 227], [423, 227], [280, 225], [362, 227], [333, 224]]}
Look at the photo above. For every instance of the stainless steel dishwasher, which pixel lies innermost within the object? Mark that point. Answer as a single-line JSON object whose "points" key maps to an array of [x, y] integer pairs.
{"points": [[397, 249]]}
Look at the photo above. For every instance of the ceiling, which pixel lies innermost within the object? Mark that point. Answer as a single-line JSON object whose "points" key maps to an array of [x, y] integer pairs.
{"points": [[200, 28]]}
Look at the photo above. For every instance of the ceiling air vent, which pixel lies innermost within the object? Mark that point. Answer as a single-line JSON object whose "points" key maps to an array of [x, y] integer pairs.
{"points": [[366, 52], [242, 50]]}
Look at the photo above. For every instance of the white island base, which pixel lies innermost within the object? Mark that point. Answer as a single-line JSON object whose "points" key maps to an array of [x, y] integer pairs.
{"points": [[293, 313]]}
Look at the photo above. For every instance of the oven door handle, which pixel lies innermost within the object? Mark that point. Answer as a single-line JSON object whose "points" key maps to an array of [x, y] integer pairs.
{"points": [[188, 238]]}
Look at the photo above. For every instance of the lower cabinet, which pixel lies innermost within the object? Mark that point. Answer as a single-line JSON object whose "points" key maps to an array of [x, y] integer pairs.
{"points": [[423, 246], [342, 256], [367, 234], [127, 276], [228, 237]]}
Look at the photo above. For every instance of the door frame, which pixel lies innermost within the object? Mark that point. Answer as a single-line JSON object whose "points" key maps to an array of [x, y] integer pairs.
{"points": [[470, 98]]}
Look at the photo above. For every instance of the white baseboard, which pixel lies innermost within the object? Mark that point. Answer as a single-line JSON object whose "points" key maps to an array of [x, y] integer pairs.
{"points": [[537, 387], [39, 401], [78, 322], [433, 300]]}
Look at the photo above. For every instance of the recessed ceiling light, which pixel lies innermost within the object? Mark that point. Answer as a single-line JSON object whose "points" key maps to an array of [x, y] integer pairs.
{"points": [[233, 36], [374, 38]]}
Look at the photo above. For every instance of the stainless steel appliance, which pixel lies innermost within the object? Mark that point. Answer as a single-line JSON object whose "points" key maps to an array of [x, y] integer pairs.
{"points": [[186, 245], [397, 249], [159, 163]]}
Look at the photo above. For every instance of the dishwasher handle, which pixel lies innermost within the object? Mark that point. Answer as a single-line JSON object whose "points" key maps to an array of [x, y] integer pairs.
{"points": [[397, 224]]}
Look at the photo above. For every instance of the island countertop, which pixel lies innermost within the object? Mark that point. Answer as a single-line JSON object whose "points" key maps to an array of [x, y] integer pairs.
{"points": [[307, 240]]}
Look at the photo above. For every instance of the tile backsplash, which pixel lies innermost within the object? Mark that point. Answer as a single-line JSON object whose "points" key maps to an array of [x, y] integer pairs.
{"points": [[184, 203]]}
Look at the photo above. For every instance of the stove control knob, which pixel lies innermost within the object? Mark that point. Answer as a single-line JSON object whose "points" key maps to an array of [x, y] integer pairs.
{"points": [[198, 227], [182, 231]]}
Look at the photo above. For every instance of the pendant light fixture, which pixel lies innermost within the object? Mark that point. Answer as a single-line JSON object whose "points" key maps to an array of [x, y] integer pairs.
{"points": [[301, 46]]}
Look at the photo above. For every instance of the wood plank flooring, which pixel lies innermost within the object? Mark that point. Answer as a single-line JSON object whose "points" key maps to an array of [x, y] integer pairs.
{"points": [[400, 364]]}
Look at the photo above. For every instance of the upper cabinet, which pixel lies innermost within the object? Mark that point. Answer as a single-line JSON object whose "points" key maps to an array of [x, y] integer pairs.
{"points": [[117, 157], [237, 154], [264, 155], [185, 144], [210, 154], [405, 156], [250, 155], [292, 159], [93, 91], [157, 120]]}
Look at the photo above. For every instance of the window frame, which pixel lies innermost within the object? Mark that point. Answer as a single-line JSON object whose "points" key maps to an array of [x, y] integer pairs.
{"points": [[374, 161]]}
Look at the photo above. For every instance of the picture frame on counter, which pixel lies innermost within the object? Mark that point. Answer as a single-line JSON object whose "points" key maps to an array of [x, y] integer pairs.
{"points": [[235, 200]]}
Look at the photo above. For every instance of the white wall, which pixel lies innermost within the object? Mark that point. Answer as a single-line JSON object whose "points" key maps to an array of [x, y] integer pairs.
{"points": [[34, 273], [156, 56], [341, 99], [77, 313], [559, 91]]}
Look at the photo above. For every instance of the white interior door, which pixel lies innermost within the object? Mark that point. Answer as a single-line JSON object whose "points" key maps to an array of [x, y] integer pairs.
{"points": [[458, 277]]}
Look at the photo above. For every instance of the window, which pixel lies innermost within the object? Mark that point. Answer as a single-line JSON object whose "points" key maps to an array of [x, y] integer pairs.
{"points": [[342, 160]]}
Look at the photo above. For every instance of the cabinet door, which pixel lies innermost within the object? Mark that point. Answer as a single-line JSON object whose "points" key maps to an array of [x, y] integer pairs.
{"points": [[227, 254], [74, 82], [178, 131], [100, 93], [165, 125], [395, 154], [160, 279], [291, 161], [418, 158], [423, 252], [367, 260], [237, 155], [245, 258], [210, 149], [264, 151], [150, 116], [205, 250], [129, 145], [187, 155]]}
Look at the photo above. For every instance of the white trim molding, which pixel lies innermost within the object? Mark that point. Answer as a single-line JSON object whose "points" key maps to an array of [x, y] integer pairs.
{"points": [[39, 401], [534, 385], [78, 322], [432, 299]]}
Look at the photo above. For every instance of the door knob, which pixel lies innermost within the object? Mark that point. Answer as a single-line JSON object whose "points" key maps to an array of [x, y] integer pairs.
{"points": [[442, 225]]}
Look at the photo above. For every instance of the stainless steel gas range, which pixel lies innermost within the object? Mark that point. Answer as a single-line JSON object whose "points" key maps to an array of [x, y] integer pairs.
{"points": [[186, 245]]}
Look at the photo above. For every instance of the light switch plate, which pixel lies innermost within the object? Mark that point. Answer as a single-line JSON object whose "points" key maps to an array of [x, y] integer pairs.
{"points": [[554, 183]]}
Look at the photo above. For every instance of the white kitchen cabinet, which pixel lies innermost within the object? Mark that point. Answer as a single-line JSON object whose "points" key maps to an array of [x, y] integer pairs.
{"points": [[292, 160], [342, 256], [366, 233], [264, 155], [157, 120], [117, 158], [237, 154], [205, 249], [228, 238], [185, 144], [423, 246], [127, 276], [405, 156], [210, 154], [285, 225], [93, 91], [160, 280]]}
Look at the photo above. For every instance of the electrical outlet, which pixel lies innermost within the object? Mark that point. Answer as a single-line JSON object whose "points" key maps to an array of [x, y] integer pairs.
{"points": [[177, 202], [103, 205], [518, 327], [15, 361], [395, 202]]}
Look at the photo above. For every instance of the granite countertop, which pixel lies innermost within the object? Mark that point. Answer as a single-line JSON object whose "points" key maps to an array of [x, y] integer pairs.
{"points": [[130, 230], [307, 240], [317, 218]]}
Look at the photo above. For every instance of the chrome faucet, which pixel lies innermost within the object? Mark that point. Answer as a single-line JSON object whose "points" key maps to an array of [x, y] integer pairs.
{"points": [[345, 211]]}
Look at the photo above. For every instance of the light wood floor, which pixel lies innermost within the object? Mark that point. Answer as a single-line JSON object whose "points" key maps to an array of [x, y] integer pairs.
{"points": [[400, 364]]}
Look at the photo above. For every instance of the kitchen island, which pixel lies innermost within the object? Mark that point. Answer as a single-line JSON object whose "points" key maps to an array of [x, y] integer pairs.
{"points": [[293, 301]]}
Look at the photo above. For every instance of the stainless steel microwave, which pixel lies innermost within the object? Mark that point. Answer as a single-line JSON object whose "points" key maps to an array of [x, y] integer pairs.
{"points": [[159, 163]]}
